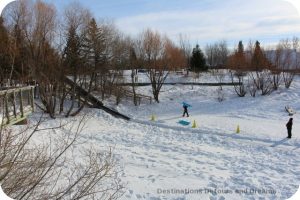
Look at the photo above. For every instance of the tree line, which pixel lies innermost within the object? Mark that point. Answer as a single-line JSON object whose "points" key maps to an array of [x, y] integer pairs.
{"points": [[264, 70], [37, 44]]}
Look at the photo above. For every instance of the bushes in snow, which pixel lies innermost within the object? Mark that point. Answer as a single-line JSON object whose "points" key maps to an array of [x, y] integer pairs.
{"points": [[54, 169]]}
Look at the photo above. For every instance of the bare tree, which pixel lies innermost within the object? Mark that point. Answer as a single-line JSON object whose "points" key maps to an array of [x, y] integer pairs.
{"points": [[47, 170], [290, 59], [217, 54], [173, 57], [17, 18], [274, 56], [32, 33], [13, 53], [209, 52], [152, 47], [219, 75], [133, 65], [159, 55], [186, 48]]}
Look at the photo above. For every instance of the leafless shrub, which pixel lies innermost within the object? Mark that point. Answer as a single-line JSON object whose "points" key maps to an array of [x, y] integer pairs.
{"points": [[221, 94], [251, 88], [277, 79], [219, 75], [288, 77], [274, 56], [263, 81], [47, 170], [290, 59], [240, 88]]}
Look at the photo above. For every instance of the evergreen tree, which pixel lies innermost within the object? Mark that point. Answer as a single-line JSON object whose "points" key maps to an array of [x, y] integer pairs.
{"points": [[93, 45], [94, 48], [94, 52], [240, 48], [198, 62], [72, 60], [72, 52], [238, 63], [239, 59], [259, 60]]}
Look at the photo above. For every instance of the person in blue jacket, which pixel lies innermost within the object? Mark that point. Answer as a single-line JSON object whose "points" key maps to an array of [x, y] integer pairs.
{"points": [[185, 110]]}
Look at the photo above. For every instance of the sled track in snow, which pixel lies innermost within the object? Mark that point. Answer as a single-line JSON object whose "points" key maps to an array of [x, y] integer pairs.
{"points": [[160, 155], [269, 142]]}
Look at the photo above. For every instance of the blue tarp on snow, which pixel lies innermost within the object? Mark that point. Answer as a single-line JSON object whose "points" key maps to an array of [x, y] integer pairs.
{"points": [[184, 123]]}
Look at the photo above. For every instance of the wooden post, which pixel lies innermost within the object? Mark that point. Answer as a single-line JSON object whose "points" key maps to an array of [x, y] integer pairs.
{"points": [[32, 99], [14, 103], [6, 108], [21, 103], [28, 97]]}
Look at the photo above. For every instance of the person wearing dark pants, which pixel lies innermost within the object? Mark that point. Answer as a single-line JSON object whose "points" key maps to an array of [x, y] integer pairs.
{"points": [[185, 111], [289, 126]]}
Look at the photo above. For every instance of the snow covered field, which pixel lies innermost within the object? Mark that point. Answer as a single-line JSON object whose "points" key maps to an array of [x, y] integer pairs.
{"points": [[165, 160]]}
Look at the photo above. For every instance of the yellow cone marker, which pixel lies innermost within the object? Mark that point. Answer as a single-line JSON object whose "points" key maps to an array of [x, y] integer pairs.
{"points": [[194, 124], [153, 118], [238, 129]]}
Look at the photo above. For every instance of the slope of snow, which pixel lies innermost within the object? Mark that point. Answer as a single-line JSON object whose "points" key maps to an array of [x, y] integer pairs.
{"points": [[260, 116], [157, 157], [164, 160]]}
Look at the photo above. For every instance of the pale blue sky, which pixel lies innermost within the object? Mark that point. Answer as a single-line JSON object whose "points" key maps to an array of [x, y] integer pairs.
{"points": [[203, 21]]}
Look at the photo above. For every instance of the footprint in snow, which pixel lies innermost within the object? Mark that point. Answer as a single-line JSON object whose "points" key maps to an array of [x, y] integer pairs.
{"points": [[212, 185], [221, 168], [199, 162], [141, 158]]}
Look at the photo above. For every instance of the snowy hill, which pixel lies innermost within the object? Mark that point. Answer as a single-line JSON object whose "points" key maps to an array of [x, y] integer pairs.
{"points": [[164, 160], [157, 159], [260, 116]]}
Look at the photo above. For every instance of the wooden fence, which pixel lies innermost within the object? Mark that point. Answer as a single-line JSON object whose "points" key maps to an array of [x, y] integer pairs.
{"points": [[140, 97], [16, 104]]}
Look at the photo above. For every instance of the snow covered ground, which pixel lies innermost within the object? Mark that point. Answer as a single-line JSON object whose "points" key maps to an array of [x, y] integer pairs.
{"points": [[157, 158], [165, 160]]}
